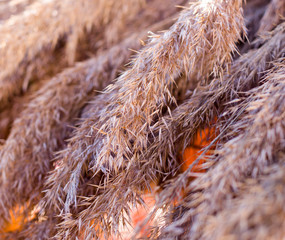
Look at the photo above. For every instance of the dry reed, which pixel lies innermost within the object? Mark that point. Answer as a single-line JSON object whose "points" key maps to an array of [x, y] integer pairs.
{"points": [[115, 144], [133, 134], [274, 15], [151, 13], [52, 22], [48, 116], [260, 137], [257, 211], [177, 131]]}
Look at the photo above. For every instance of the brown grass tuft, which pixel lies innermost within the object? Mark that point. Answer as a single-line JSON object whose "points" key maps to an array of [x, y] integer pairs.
{"points": [[260, 138], [112, 149], [88, 44], [47, 119], [274, 15], [53, 109], [180, 128], [130, 139], [52, 22], [258, 211]]}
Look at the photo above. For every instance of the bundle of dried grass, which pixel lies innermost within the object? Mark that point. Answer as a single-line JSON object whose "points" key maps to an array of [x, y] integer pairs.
{"points": [[91, 43], [258, 145], [257, 211], [62, 97], [49, 116], [51, 22], [178, 130], [115, 143], [257, 139], [134, 133]]}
